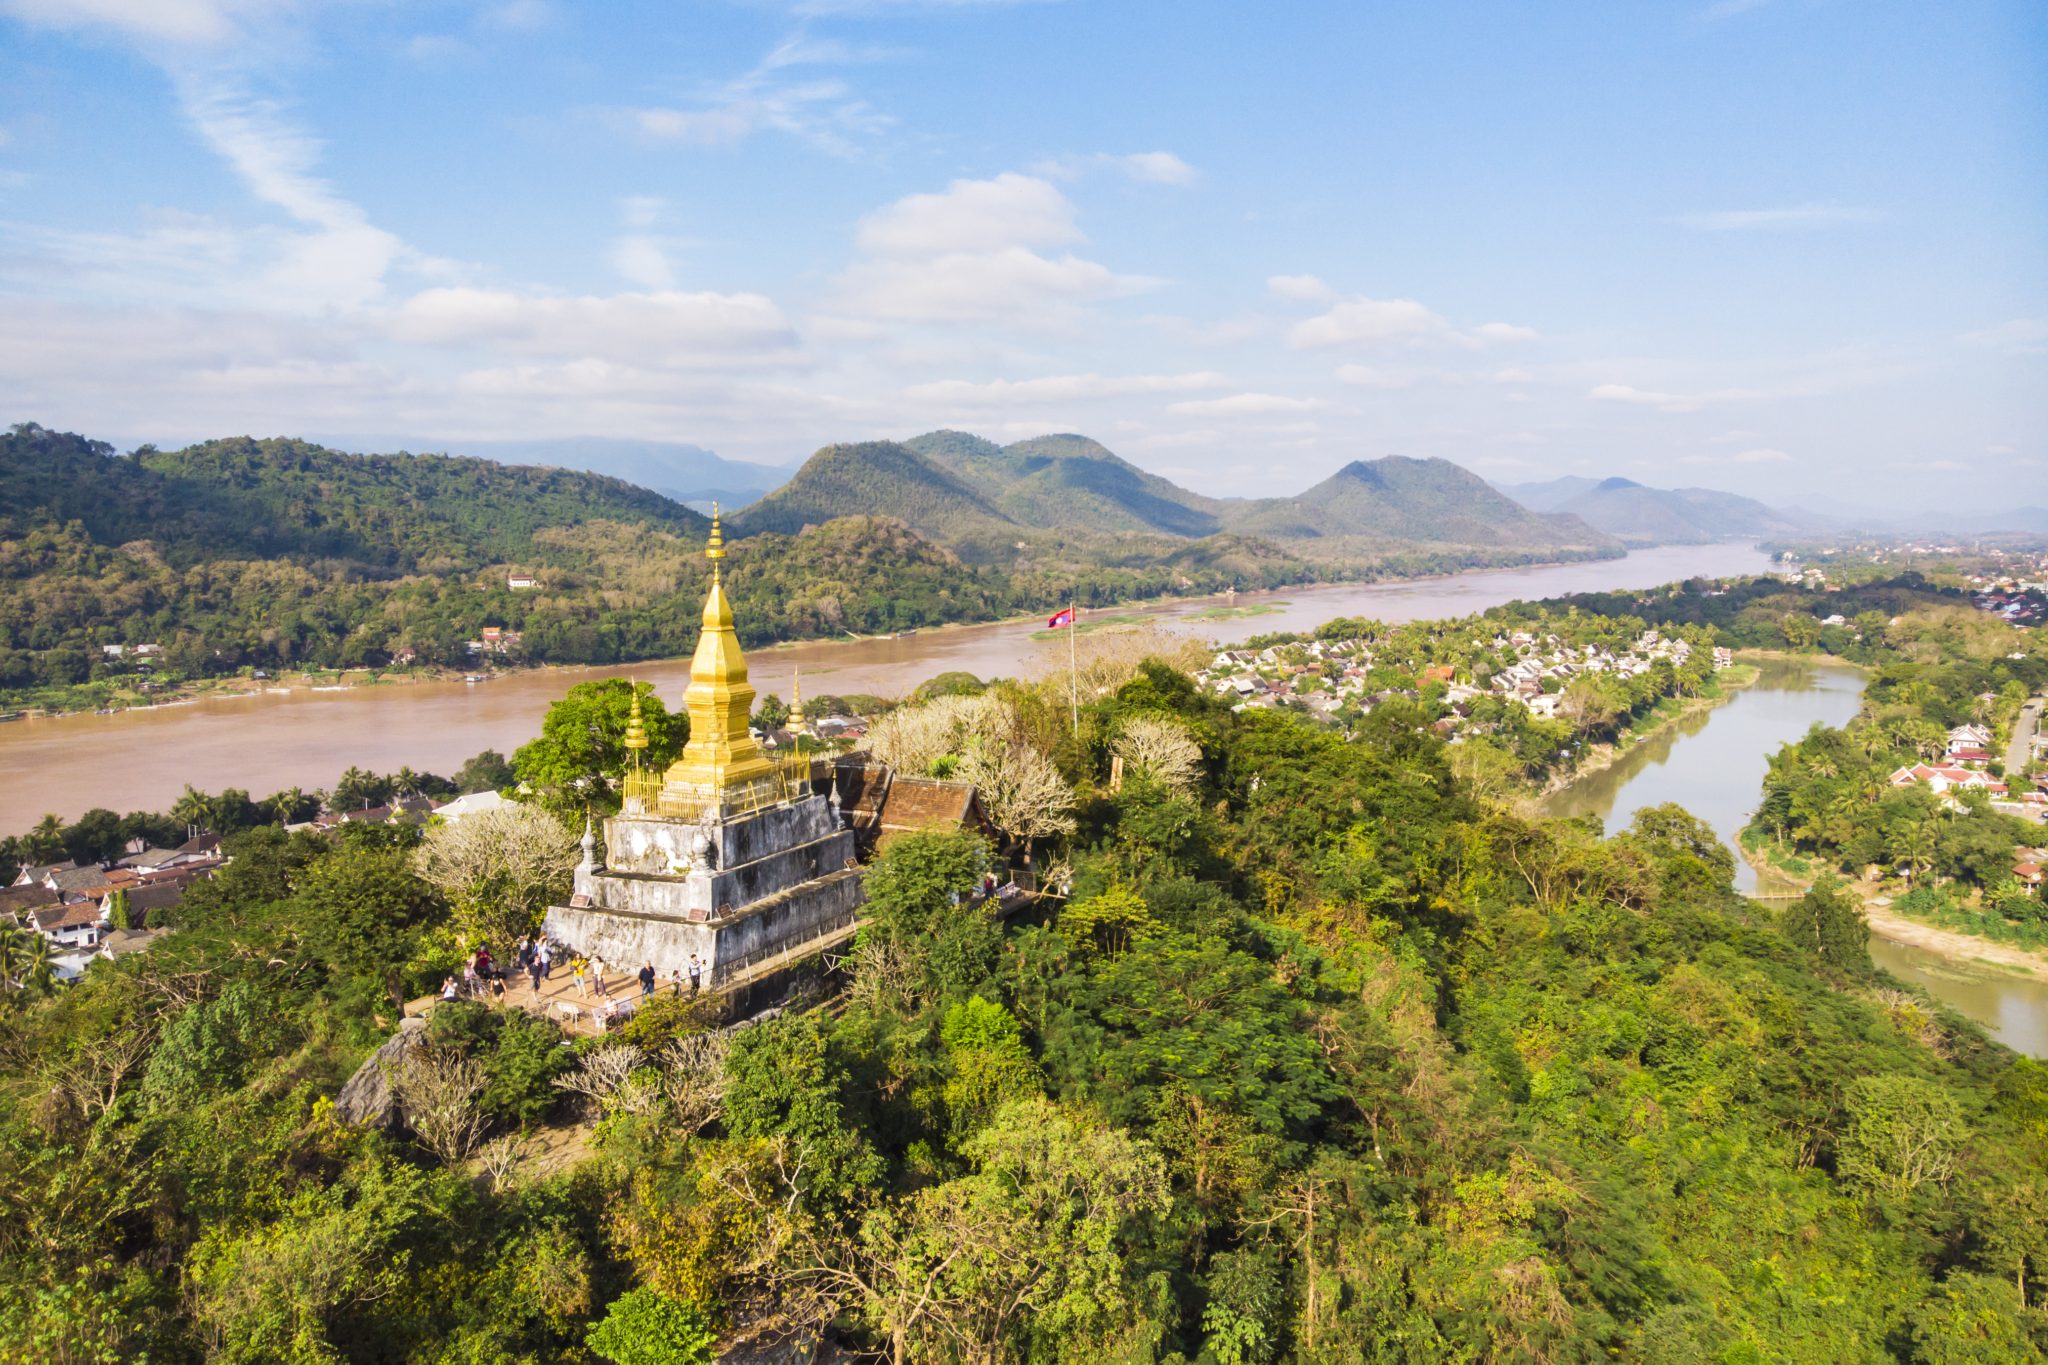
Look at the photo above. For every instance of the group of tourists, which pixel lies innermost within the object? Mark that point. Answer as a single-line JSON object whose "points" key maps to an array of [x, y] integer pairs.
{"points": [[536, 956]]}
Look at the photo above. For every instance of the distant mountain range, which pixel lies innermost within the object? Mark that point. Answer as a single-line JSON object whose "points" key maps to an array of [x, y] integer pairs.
{"points": [[982, 499], [1639, 515]]}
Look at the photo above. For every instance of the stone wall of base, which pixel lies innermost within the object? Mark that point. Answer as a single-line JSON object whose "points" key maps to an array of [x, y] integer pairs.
{"points": [[624, 939]]}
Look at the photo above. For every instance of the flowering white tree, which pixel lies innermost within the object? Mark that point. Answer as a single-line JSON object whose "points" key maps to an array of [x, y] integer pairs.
{"points": [[1021, 790], [499, 868], [914, 738], [1162, 749]]}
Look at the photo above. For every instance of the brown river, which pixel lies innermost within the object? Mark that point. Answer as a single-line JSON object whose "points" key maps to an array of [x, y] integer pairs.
{"points": [[142, 759]]}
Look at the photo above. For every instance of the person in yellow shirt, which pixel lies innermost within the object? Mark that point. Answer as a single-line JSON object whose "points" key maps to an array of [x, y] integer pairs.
{"points": [[579, 966]]}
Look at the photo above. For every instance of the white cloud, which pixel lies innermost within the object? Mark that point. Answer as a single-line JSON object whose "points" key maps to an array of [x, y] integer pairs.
{"points": [[1499, 334], [638, 255], [1151, 168], [967, 252], [1300, 288], [1249, 405], [647, 329], [1670, 402], [1060, 388], [640, 260], [1759, 455], [1378, 377], [345, 258], [198, 22], [972, 215], [1158, 168], [1366, 323]]}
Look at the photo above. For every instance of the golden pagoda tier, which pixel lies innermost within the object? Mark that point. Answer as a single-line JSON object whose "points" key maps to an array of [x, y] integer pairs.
{"points": [[727, 855], [722, 770]]}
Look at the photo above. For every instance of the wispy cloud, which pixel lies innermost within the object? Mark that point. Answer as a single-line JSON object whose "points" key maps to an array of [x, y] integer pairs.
{"points": [[822, 110], [1151, 168], [1779, 219], [1362, 323], [1250, 405], [1061, 388]]}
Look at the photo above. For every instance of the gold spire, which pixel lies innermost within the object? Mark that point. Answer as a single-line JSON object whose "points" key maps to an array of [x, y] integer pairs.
{"points": [[722, 767], [636, 732], [796, 702]]}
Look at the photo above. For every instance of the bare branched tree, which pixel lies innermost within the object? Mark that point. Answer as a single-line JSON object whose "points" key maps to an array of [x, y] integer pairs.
{"points": [[912, 739], [437, 1090], [499, 868], [693, 1078], [603, 1073], [500, 1157], [1021, 789], [1162, 749]]}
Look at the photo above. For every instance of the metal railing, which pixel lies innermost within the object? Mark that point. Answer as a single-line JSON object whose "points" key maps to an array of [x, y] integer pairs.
{"points": [[789, 782], [723, 972]]}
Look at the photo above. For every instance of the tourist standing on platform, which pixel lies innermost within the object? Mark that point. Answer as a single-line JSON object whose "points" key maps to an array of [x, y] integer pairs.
{"points": [[545, 956], [646, 980], [604, 991], [696, 974], [533, 971], [675, 981], [578, 968]]}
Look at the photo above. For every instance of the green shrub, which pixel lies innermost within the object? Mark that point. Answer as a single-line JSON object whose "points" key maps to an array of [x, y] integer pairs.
{"points": [[647, 1327]]}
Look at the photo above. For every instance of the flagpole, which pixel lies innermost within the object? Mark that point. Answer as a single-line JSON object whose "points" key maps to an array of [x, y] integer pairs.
{"points": [[1074, 660]]}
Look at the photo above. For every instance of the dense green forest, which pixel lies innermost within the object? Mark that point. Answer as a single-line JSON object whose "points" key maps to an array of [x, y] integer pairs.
{"points": [[1326, 1059]]}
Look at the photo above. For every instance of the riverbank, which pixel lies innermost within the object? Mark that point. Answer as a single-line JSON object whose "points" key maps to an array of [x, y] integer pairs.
{"points": [[1661, 717], [110, 699], [1888, 924]]}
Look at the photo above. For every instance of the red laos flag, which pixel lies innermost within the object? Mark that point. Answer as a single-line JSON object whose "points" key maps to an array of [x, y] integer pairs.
{"points": [[1061, 618]]}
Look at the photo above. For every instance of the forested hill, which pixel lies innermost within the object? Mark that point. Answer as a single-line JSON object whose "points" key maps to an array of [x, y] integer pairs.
{"points": [[1071, 483], [875, 478], [986, 501], [1397, 500], [245, 499]]}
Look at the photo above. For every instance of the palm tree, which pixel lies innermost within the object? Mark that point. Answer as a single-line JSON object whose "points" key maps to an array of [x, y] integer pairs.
{"points": [[1923, 837], [194, 809], [13, 956], [25, 960], [285, 805], [36, 969]]}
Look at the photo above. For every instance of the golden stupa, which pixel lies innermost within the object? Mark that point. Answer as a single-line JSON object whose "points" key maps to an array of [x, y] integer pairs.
{"points": [[722, 769]]}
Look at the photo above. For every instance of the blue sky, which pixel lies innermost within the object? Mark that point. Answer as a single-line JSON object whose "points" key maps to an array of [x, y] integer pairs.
{"points": [[1795, 248]]}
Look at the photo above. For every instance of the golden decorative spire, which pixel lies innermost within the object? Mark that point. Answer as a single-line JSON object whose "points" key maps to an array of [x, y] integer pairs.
{"points": [[796, 702], [636, 732], [722, 767]]}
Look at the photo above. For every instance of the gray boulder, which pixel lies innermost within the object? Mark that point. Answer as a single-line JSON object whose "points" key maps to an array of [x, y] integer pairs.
{"points": [[366, 1100]]}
